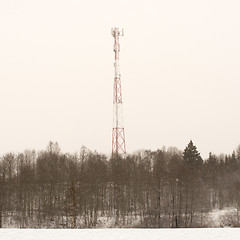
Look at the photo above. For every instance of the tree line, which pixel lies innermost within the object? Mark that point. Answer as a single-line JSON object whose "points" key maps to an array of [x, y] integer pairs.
{"points": [[163, 188]]}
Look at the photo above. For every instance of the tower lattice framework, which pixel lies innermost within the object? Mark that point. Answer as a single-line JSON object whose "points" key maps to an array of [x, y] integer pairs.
{"points": [[118, 134]]}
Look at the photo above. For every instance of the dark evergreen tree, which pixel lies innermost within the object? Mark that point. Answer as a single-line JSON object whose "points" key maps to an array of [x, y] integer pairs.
{"points": [[191, 156]]}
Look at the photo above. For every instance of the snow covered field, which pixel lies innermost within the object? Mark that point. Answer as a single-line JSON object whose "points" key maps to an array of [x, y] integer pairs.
{"points": [[121, 234], [217, 218]]}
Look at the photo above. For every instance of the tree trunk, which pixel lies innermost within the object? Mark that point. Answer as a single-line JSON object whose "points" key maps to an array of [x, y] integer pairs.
{"points": [[0, 218]]}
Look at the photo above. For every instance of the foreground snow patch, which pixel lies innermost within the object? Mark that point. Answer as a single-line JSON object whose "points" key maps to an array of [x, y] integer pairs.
{"points": [[221, 217], [121, 234]]}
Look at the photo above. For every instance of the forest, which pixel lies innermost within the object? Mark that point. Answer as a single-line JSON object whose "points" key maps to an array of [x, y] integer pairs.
{"points": [[167, 188]]}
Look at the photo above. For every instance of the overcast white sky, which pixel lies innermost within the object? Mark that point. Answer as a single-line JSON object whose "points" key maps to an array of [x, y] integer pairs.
{"points": [[180, 66]]}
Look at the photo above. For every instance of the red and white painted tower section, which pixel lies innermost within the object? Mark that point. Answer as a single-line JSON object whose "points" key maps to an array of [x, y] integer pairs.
{"points": [[118, 135]]}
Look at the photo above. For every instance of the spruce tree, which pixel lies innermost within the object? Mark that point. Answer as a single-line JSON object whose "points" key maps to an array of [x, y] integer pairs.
{"points": [[191, 156]]}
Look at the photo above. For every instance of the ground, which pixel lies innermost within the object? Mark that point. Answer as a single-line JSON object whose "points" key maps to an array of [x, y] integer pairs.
{"points": [[121, 234], [226, 217], [217, 218]]}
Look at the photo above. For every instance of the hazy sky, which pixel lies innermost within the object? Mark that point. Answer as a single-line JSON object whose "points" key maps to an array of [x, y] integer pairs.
{"points": [[180, 66]]}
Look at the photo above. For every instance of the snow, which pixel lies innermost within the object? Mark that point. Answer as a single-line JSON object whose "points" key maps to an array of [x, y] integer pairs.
{"points": [[121, 234], [221, 217], [217, 218]]}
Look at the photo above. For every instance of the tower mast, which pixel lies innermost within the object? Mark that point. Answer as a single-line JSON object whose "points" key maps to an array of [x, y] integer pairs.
{"points": [[118, 135]]}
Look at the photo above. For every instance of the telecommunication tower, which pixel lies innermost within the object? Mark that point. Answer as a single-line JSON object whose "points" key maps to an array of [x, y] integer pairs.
{"points": [[118, 135]]}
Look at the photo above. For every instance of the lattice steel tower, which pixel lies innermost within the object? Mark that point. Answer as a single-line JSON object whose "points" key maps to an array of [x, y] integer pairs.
{"points": [[118, 135]]}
